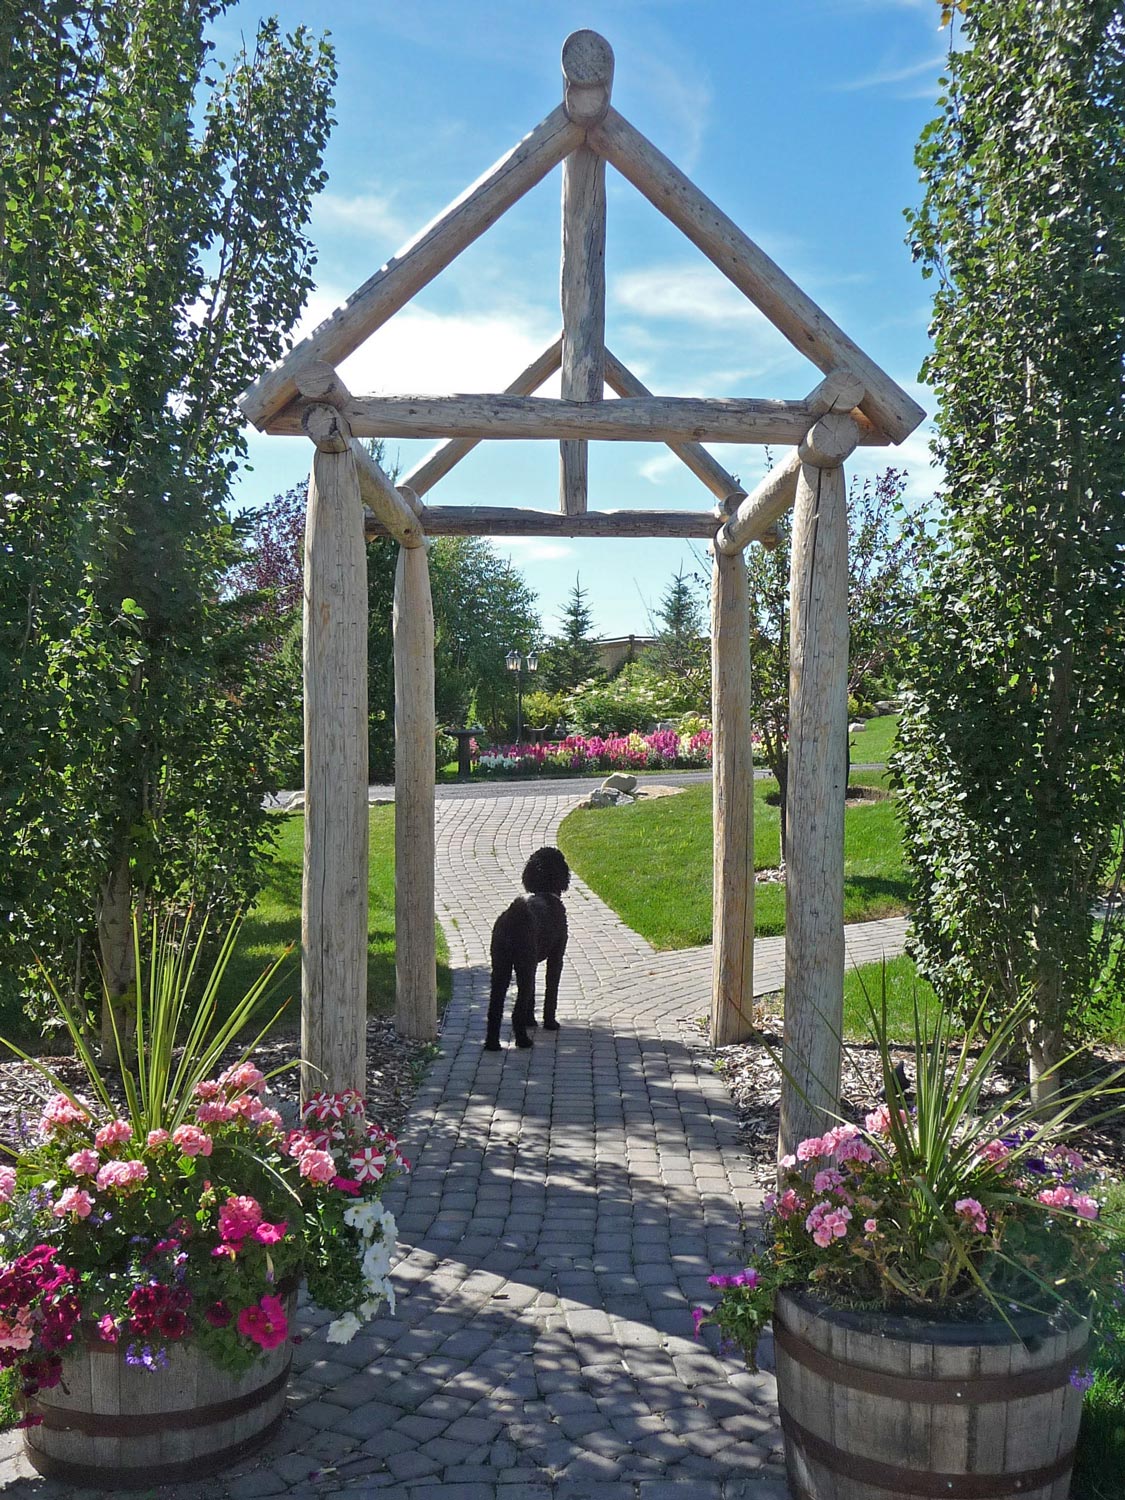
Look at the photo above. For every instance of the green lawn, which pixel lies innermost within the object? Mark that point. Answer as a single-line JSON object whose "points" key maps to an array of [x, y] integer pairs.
{"points": [[652, 862], [875, 743], [276, 920]]}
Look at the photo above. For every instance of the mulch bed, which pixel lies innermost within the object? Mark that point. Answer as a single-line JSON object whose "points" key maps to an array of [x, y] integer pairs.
{"points": [[752, 1074]]}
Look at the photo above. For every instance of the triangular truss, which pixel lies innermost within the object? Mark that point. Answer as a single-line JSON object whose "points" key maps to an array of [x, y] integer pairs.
{"points": [[857, 402]]}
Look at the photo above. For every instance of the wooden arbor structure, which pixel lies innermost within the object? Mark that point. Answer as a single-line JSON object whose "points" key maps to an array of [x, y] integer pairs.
{"points": [[350, 496]]}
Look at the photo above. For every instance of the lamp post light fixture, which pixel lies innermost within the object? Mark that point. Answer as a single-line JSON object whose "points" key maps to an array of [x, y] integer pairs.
{"points": [[515, 663]]}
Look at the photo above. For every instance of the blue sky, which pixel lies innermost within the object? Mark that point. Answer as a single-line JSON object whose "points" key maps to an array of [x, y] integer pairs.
{"points": [[798, 117]]}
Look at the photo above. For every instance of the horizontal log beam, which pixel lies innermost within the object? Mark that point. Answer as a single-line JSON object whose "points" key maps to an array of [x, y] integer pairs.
{"points": [[664, 419], [418, 262], [505, 520], [806, 326], [436, 465]]}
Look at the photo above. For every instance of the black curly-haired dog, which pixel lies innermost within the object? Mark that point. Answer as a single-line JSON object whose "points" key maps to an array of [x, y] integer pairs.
{"points": [[532, 929]]}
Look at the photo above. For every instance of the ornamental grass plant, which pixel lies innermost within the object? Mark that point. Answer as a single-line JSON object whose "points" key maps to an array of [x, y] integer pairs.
{"points": [[170, 1204], [951, 1201]]}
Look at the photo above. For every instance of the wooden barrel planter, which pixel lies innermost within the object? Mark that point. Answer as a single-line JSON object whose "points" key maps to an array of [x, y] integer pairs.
{"points": [[882, 1408], [111, 1425]]}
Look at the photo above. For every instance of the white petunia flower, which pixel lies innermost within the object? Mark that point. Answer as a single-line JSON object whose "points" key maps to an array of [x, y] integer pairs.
{"points": [[344, 1329]]}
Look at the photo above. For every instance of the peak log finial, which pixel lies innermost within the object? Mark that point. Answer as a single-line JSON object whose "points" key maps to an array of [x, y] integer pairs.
{"points": [[587, 64]]}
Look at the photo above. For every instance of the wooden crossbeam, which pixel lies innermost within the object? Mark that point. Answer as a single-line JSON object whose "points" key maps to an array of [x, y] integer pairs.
{"points": [[762, 508], [664, 419], [418, 262], [506, 520], [806, 326], [436, 465]]}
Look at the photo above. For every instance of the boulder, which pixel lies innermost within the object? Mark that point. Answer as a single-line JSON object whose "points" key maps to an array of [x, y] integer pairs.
{"points": [[602, 798], [856, 726], [296, 803], [886, 706], [619, 781]]}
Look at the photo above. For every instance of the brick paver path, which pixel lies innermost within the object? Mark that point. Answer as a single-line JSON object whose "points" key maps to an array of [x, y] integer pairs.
{"points": [[566, 1208]]}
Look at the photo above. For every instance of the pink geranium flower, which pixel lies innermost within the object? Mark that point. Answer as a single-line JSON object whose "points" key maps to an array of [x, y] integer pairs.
{"points": [[7, 1183], [243, 1079], [192, 1141], [59, 1112], [121, 1174], [157, 1138], [317, 1166], [116, 1133], [969, 1208], [238, 1217], [84, 1163], [213, 1112], [73, 1200], [1064, 1197]]}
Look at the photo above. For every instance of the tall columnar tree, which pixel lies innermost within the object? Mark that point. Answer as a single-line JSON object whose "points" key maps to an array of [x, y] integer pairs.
{"points": [[153, 252], [571, 657], [886, 542], [1014, 734]]}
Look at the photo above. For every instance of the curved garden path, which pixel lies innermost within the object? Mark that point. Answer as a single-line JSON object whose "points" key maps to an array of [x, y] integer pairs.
{"points": [[566, 1208]]}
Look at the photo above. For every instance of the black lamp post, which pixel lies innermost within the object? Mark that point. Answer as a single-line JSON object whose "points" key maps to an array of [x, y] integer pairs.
{"points": [[515, 664]]}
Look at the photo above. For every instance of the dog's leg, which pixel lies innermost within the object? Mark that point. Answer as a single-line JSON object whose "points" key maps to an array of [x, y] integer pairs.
{"points": [[551, 992], [501, 978], [525, 1001]]}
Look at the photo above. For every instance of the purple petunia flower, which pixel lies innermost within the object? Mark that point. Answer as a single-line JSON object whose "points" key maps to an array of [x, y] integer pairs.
{"points": [[1081, 1380], [145, 1354]]}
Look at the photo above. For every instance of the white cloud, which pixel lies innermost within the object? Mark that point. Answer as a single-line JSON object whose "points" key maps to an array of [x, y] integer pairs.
{"points": [[712, 316], [685, 100], [535, 549], [369, 214], [660, 468], [930, 68], [420, 352], [687, 293]]}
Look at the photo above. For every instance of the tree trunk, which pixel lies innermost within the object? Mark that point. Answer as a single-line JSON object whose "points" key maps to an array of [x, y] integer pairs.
{"points": [[115, 950], [1046, 1040]]}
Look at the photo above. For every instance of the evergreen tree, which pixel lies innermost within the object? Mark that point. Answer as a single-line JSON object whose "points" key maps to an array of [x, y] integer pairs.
{"points": [[571, 658], [682, 647]]}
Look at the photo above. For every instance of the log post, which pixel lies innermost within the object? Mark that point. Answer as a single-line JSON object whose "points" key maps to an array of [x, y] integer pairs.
{"points": [[415, 728], [334, 893], [818, 726], [732, 978], [587, 61]]}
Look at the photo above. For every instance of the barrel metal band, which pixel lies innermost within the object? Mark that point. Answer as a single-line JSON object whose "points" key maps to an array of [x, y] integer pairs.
{"points": [[116, 1477], [922, 1482], [953, 1390], [137, 1424]]}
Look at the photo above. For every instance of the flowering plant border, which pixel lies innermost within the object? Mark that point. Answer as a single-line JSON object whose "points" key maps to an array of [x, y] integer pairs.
{"points": [[577, 754]]}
